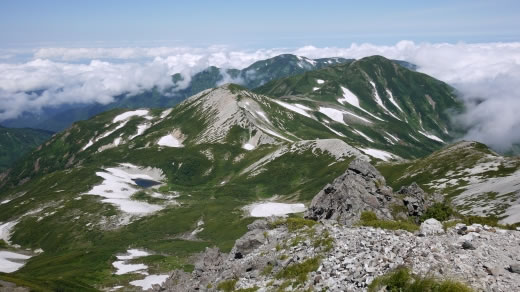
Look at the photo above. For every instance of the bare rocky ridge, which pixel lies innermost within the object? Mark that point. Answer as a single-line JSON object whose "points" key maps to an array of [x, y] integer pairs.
{"points": [[358, 255], [347, 257]]}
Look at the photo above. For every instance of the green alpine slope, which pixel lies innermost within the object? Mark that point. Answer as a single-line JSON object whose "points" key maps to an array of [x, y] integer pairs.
{"points": [[211, 155], [477, 180], [14, 143], [376, 99]]}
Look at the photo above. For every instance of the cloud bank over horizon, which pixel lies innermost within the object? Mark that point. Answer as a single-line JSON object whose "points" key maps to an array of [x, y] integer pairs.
{"points": [[487, 76]]}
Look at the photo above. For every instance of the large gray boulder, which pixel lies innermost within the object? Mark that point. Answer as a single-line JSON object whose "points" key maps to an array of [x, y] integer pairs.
{"points": [[416, 200], [210, 261], [360, 188], [247, 243], [431, 227]]}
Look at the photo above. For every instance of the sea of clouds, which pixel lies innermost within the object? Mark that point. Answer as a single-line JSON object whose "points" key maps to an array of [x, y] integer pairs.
{"points": [[487, 75]]}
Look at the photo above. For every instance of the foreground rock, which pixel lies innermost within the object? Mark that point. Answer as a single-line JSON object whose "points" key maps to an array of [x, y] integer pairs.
{"points": [[360, 188], [360, 254], [417, 201], [431, 227]]}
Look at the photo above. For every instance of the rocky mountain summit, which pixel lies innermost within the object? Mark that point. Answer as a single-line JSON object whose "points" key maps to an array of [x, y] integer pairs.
{"points": [[337, 254], [363, 188]]}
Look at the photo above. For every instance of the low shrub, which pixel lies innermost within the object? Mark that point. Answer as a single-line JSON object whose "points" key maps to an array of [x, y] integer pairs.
{"points": [[369, 218], [439, 211], [299, 271], [402, 280], [227, 285]]}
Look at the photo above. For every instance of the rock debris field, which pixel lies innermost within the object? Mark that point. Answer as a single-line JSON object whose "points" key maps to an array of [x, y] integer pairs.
{"points": [[485, 258]]}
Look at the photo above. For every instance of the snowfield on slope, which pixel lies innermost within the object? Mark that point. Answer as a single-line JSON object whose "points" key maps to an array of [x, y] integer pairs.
{"points": [[266, 209], [169, 141], [293, 108], [353, 100], [127, 115], [119, 185], [149, 281], [431, 136], [11, 261], [124, 268], [379, 154]]}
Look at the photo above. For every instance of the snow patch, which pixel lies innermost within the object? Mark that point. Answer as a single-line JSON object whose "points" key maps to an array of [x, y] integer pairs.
{"points": [[118, 187], [392, 100], [262, 114], [140, 129], [349, 97], [124, 268], [149, 281], [127, 115], [90, 142], [319, 81], [315, 88], [430, 136], [364, 135], [353, 100], [273, 133], [267, 209], [165, 113], [334, 114], [379, 154], [392, 136], [248, 146], [169, 141], [11, 261], [380, 102], [293, 108], [303, 107], [6, 230]]}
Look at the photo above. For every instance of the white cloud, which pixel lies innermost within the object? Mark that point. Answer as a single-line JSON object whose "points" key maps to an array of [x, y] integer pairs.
{"points": [[487, 75]]}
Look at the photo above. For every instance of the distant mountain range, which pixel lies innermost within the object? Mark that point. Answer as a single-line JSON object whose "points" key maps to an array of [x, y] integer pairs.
{"points": [[257, 74]]}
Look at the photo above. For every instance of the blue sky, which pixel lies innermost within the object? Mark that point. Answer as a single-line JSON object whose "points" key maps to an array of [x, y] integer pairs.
{"points": [[253, 24]]}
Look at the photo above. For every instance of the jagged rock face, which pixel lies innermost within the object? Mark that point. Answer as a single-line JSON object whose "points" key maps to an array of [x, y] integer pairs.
{"points": [[210, 261], [360, 188], [416, 200]]}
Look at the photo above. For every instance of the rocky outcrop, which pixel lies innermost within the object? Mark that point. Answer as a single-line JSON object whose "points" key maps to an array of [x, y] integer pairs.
{"points": [[416, 200], [360, 188]]}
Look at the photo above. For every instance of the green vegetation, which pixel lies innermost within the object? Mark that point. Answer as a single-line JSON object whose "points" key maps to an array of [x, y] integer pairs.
{"points": [[325, 241], [294, 223], [439, 211], [227, 285], [369, 218], [299, 271], [15, 143], [489, 221], [267, 270], [402, 280], [427, 112]]}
